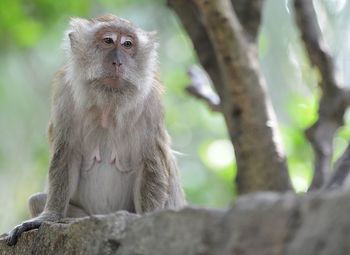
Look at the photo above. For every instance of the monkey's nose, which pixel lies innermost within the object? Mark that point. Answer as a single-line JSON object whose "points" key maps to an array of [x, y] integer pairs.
{"points": [[117, 66], [116, 63]]}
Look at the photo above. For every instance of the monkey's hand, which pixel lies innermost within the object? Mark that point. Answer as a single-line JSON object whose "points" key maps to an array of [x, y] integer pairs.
{"points": [[34, 223]]}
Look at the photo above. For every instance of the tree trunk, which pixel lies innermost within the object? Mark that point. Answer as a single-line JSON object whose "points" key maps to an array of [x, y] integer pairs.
{"points": [[227, 51]]}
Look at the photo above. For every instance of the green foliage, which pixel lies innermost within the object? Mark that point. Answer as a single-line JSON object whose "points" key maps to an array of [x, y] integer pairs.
{"points": [[23, 23], [303, 111]]}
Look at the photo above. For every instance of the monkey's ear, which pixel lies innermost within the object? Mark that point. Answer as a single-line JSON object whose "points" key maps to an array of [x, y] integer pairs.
{"points": [[72, 39], [152, 35], [77, 25]]}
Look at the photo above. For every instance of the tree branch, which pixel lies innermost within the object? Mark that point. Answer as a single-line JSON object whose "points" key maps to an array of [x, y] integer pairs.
{"points": [[191, 21], [244, 103], [249, 14], [341, 170], [200, 88], [334, 99]]}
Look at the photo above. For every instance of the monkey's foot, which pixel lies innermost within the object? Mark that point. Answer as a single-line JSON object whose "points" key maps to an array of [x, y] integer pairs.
{"points": [[13, 236]]}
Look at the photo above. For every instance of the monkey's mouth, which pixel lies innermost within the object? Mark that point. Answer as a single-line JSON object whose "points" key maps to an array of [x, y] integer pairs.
{"points": [[113, 81]]}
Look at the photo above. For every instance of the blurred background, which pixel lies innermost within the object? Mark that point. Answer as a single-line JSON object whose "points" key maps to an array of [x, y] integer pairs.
{"points": [[30, 38]]}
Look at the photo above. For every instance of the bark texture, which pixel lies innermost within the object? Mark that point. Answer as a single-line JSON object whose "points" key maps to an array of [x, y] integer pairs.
{"points": [[226, 48], [264, 224]]}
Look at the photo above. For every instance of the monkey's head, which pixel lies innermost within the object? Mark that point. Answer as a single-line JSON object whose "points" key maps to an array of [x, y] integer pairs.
{"points": [[111, 55]]}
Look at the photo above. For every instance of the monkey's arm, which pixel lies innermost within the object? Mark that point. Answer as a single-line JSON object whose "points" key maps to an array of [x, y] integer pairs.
{"points": [[60, 182], [157, 184], [58, 193]]}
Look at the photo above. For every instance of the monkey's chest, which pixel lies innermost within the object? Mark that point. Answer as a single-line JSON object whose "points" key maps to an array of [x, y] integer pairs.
{"points": [[107, 176], [103, 189], [108, 148], [106, 153]]}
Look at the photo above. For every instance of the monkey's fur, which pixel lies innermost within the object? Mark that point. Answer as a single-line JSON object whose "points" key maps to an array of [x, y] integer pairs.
{"points": [[109, 147]]}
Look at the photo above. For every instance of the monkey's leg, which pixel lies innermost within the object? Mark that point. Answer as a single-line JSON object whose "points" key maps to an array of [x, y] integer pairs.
{"points": [[151, 187], [75, 211], [36, 203]]}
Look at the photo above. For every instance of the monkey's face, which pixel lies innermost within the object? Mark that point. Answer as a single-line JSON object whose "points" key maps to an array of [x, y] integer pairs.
{"points": [[118, 49], [111, 54]]}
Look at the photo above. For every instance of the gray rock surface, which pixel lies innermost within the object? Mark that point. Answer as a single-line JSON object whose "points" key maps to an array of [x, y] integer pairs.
{"points": [[258, 224]]}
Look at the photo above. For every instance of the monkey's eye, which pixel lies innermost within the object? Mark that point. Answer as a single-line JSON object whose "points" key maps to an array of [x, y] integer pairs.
{"points": [[108, 40], [126, 42]]}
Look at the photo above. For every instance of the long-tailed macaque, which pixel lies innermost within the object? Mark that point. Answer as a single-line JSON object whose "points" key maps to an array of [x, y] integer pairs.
{"points": [[110, 150]]}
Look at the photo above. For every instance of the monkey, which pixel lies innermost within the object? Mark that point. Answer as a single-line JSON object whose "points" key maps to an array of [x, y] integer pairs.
{"points": [[109, 147]]}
